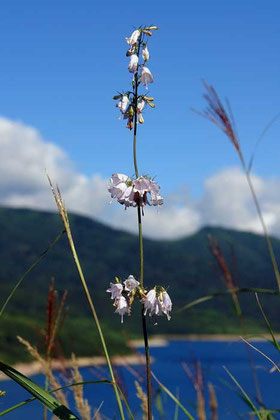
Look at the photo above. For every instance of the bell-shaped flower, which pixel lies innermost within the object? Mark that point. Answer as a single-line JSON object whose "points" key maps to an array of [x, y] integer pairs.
{"points": [[156, 309], [133, 63], [134, 192], [130, 284], [122, 307], [133, 37], [145, 53], [140, 105], [146, 76], [166, 304], [156, 198], [123, 103], [121, 188], [144, 185], [149, 301], [116, 290]]}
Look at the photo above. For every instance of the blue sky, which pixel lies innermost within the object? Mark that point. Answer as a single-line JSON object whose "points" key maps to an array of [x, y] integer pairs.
{"points": [[61, 63]]}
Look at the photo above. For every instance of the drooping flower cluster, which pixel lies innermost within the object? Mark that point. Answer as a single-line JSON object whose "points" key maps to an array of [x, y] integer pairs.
{"points": [[131, 105], [155, 302], [134, 192], [123, 295]]}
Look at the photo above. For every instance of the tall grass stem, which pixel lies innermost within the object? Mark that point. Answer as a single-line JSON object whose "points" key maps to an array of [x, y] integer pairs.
{"points": [[66, 223]]}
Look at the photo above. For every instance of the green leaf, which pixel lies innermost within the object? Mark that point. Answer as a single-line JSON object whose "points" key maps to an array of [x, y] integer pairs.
{"points": [[43, 396]]}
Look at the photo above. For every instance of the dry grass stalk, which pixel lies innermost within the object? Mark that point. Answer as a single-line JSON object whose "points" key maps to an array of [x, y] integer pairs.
{"points": [[46, 369], [198, 384], [200, 406], [213, 402], [222, 264], [216, 113], [144, 401], [57, 324], [199, 387], [81, 404], [221, 261]]}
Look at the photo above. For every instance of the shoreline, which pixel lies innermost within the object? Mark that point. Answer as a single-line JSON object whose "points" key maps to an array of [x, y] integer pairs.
{"points": [[33, 368], [163, 340]]}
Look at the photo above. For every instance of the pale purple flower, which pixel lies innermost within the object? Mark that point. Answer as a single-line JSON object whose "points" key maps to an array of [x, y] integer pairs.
{"points": [[145, 53], [144, 185], [116, 290], [122, 307], [140, 105], [121, 188], [157, 305], [130, 283], [149, 301], [122, 104], [146, 76], [156, 309], [134, 192], [133, 37], [133, 63], [166, 304], [156, 198]]}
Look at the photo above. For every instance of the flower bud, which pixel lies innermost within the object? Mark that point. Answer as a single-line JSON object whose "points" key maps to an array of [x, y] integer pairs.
{"points": [[151, 104], [140, 118], [148, 98], [149, 33], [130, 124], [152, 28], [117, 97]]}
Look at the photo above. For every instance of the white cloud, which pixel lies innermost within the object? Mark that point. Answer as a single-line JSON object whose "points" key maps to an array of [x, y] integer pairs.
{"points": [[23, 183], [226, 200]]}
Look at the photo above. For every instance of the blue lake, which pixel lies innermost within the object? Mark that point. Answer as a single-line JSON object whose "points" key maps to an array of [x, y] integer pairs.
{"points": [[170, 365]]}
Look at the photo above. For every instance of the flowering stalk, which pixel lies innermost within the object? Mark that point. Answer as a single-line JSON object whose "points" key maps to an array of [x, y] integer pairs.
{"points": [[141, 250], [137, 193]]}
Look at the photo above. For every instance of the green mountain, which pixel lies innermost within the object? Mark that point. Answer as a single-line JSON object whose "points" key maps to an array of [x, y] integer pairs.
{"points": [[185, 266]]}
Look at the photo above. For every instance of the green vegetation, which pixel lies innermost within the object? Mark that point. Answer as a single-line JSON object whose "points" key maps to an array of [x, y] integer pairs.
{"points": [[186, 265]]}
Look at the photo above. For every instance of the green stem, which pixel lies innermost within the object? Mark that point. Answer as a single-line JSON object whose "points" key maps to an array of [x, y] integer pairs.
{"points": [[84, 284], [268, 241], [140, 247]]}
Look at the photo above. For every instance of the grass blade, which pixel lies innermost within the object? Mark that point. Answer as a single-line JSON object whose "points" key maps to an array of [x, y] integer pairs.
{"points": [[28, 271], [226, 292], [169, 393], [267, 323], [14, 407], [44, 397], [260, 352], [245, 395]]}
